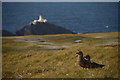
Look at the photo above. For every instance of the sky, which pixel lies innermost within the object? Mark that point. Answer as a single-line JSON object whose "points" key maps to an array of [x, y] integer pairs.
{"points": [[60, 0]]}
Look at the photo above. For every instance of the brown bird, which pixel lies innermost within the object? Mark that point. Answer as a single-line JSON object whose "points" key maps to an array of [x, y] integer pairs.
{"points": [[87, 57], [87, 63]]}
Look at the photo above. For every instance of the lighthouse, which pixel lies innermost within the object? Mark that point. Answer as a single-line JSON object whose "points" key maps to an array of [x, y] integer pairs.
{"points": [[40, 20]]}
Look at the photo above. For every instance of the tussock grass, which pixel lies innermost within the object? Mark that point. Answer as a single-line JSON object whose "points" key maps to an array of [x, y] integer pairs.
{"points": [[23, 60]]}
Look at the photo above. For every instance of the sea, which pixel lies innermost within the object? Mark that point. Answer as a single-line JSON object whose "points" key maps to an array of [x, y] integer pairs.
{"points": [[79, 17]]}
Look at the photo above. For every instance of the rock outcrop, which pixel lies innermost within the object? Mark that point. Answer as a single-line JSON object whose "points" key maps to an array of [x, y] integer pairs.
{"points": [[6, 33], [42, 29]]}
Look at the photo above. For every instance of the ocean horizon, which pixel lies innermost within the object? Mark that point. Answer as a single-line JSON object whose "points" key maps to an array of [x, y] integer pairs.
{"points": [[79, 17]]}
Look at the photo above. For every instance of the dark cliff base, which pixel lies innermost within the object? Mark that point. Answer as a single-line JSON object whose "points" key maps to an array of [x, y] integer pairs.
{"points": [[6, 33], [42, 29]]}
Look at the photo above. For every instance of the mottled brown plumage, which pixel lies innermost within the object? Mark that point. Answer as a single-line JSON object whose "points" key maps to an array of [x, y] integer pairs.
{"points": [[87, 63], [87, 57]]}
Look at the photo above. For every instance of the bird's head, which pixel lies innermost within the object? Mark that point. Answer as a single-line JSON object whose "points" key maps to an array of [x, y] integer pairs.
{"points": [[80, 53], [87, 56]]}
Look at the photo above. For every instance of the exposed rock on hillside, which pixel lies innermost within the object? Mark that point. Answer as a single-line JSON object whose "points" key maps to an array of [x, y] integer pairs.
{"points": [[42, 29]]}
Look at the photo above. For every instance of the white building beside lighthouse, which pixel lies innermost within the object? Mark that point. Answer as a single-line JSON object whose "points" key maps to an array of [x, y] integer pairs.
{"points": [[40, 20]]}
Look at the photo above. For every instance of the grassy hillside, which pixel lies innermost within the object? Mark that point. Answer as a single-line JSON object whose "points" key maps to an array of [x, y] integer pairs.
{"points": [[53, 56]]}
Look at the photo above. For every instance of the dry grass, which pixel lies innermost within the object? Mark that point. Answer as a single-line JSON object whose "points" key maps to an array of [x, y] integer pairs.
{"points": [[26, 60]]}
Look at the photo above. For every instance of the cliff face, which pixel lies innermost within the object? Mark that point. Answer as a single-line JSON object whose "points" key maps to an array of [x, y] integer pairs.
{"points": [[42, 29], [6, 33]]}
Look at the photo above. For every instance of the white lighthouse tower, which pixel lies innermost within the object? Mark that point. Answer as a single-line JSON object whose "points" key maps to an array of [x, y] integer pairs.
{"points": [[40, 20]]}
